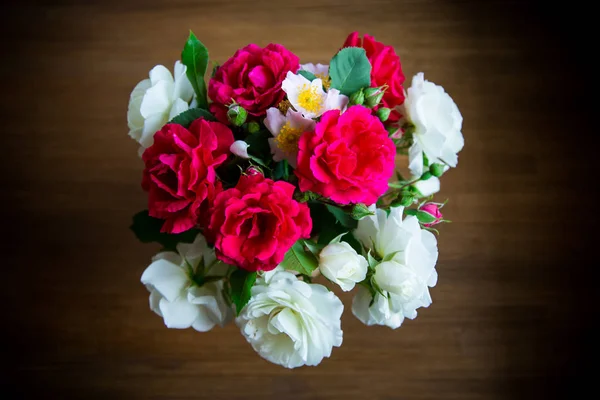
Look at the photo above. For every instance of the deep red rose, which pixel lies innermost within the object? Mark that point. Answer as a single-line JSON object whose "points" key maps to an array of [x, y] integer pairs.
{"points": [[180, 173], [385, 67], [349, 158], [252, 78], [254, 224]]}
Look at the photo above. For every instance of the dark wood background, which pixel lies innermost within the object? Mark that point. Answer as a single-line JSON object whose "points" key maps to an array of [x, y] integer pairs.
{"points": [[512, 310]]}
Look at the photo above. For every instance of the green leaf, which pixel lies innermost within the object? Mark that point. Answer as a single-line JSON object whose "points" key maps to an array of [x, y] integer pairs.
{"points": [[390, 256], [195, 57], [344, 218], [281, 170], [187, 117], [410, 211], [298, 259], [338, 238], [307, 74], [147, 230], [241, 282], [350, 70], [372, 260], [359, 211], [425, 217], [314, 248], [259, 144]]}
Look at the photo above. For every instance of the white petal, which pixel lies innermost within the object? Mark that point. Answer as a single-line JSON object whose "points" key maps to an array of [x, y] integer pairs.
{"points": [[274, 121], [167, 278], [183, 88], [157, 100], [153, 124], [428, 187], [179, 314], [177, 108], [240, 149], [415, 159], [160, 73], [335, 100], [296, 120]]}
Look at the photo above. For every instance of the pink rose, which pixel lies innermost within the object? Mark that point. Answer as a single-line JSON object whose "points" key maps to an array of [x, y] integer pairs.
{"points": [[432, 209], [252, 78], [385, 68], [348, 158], [179, 175], [254, 224]]}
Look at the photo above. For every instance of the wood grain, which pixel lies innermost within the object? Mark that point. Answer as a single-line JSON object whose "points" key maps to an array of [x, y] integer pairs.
{"points": [[509, 317]]}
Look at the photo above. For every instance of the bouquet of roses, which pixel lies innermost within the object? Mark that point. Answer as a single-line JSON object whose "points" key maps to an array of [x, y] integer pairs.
{"points": [[275, 173]]}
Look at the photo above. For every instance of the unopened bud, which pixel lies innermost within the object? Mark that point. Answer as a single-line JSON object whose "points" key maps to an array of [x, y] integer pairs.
{"points": [[237, 114], [253, 127], [383, 113], [373, 96], [436, 170], [357, 97]]}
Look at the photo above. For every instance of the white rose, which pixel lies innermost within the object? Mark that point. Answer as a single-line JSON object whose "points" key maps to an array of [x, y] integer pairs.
{"points": [[341, 264], [290, 322], [437, 122], [378, 311], [428, 187], [177, 298], [155, 101], [240, 149], [410, 255]]}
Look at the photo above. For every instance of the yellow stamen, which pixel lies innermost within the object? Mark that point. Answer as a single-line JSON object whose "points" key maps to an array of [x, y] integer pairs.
{"points": [[309, 98], [325, 79], [284, 106], [288, 138]]}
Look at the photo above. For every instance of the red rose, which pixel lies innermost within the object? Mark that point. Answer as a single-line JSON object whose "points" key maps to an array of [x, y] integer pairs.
{"points": [[349, 158], [385, 67], [252, 78], [180, 172], [254, 224]]}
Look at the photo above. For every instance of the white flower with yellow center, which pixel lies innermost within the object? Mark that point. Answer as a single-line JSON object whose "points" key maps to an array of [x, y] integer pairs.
{"points": [[321, 71], [309, 97], [286, 131]]}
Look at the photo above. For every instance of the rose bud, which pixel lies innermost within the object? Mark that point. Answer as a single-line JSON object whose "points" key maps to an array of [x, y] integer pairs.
{"points": [[237, 114], [240, 149], [432, 209], [373, 96], [383, 114], [341, 264], [253, 127], [357, 98]]}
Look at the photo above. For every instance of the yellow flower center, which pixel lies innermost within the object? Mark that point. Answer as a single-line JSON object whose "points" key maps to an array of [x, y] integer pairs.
{"points": [[284, 106], [309, 98], [288, 138], [325, 79]]}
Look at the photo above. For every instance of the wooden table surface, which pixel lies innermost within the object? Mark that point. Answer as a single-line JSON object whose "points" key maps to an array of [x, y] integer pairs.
{"points": [[512, 309]]}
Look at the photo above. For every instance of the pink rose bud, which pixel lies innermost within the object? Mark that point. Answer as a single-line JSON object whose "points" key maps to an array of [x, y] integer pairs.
{"points": [[432, 209], [253, 171]]}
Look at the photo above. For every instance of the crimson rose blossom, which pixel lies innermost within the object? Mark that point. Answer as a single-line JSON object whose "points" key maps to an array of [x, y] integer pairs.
{"points": [[349, 158], [385, 67], [252, 78], [254, 224], [180, 173]]}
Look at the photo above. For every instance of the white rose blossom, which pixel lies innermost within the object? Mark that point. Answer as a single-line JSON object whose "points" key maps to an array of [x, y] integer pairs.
{"points": [[437, 123], [177, 298], [290, 322], [153, 102], [286, 131], [341, 264], [309, 97], [409, 255], [321, 71]]}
